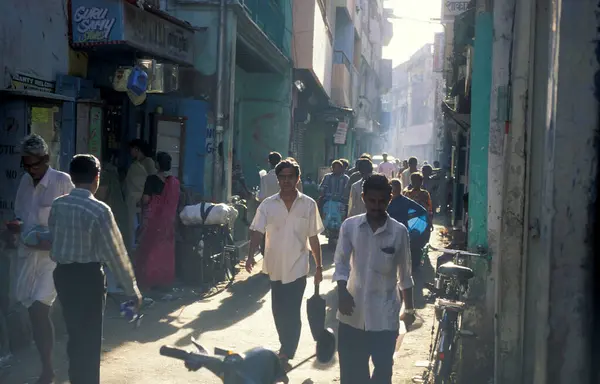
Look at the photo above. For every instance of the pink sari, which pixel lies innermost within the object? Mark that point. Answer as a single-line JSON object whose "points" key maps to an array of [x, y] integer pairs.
{"points": [[155, 256]]}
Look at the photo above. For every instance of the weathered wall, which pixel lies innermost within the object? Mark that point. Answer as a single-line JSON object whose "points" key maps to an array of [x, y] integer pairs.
{"points": [[569, 191], [33, 38], [263, 105]]}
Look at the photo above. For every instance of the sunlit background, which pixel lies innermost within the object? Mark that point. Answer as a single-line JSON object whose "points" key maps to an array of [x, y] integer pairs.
{"points": [[412, 30]]}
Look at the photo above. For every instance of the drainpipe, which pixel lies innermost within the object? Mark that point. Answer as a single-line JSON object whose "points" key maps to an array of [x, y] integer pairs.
{"points": [[219, 161]]}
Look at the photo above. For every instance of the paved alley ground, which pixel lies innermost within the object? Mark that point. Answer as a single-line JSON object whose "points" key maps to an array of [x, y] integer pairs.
{"points": [[237, 319]]}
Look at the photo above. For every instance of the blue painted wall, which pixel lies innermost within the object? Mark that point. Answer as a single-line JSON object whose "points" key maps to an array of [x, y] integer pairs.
{"points": [[480, 130], [344, 35]]}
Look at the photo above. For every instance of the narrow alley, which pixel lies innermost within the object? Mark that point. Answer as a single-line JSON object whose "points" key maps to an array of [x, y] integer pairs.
{"points": [[238, 319]]}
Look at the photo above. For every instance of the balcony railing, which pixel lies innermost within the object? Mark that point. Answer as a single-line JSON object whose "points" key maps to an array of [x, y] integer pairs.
{"points": [[270, 18]]}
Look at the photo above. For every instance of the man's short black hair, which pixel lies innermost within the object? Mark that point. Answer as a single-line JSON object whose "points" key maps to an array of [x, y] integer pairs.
{"points": [[336, 162], [141, 145], [164, 161], [287, 163], [413, 160], [84, 169], [365, 164], [274, 158], [366, 156], [416, 175], [396, 182], [377, 182]]}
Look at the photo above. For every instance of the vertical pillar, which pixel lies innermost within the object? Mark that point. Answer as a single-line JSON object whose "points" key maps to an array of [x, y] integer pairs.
{"points": [[480, 130]]}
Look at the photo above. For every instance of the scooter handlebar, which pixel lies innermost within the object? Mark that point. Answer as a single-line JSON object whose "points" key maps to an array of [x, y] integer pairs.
{"points": [[174, 353]]}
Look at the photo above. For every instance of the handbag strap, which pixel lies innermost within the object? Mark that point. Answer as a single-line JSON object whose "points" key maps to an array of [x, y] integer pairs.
{"points": [[205, 212]]}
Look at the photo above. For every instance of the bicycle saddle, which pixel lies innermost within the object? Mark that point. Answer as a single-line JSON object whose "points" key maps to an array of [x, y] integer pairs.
{"points": [[458, 271]]}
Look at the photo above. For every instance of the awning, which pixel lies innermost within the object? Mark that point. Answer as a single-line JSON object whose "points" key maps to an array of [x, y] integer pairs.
{"points": [[105, 23]]}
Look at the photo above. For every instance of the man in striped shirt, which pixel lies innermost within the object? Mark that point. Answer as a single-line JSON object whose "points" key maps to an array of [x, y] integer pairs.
{"points": [[84, 237]]}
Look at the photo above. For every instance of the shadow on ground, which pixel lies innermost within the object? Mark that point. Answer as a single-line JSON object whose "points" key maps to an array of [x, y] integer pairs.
{"points": [[246, 299]]}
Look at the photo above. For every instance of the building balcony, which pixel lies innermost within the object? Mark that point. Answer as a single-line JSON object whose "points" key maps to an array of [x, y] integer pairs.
{"points": [[270, 18], [341, 85], [348, 5], [312, 42]]}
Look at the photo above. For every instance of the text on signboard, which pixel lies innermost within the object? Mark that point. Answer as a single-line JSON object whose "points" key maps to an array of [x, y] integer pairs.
{"points": [[459, 6], [93, 23]]}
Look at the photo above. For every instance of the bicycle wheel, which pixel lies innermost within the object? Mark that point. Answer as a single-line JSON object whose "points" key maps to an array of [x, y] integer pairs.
{"points": [[445, 350]]}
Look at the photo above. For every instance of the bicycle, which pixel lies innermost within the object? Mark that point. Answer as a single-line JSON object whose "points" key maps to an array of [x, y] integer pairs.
{"points": [[451, 284]]}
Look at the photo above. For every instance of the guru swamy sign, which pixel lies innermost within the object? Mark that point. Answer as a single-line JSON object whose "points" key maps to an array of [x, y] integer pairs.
{"points": [[93, 24]]}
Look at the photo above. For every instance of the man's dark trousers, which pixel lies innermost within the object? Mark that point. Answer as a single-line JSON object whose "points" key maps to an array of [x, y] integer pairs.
{"points": [[356, 347], [81, 289], [286, 301]]}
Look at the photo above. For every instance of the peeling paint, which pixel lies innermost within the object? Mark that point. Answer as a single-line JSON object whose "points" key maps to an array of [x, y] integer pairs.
{"points": [[23, 28]]}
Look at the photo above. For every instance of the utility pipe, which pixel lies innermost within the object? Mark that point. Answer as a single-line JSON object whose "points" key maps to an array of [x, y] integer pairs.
{"points": [[219, 159]]}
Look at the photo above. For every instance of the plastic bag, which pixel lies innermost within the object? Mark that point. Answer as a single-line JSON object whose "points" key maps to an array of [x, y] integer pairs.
{"points": [[37, 233], [334, 214]]}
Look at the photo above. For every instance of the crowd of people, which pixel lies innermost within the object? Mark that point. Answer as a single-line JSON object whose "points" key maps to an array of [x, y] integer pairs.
{"points": [[375, 258], [67, 236]]}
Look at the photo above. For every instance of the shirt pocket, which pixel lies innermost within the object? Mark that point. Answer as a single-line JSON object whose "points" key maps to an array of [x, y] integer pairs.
{"points": [[383, 263]]}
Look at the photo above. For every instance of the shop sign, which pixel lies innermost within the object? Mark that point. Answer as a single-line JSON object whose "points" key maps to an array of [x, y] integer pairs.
{"points": [[23, 81], [157, 36], [438, 52], [340, 134], [453, 8], [96, 21]]}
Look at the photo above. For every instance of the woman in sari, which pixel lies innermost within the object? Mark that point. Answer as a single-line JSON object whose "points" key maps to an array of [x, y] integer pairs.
{"points": [[155, 256]]}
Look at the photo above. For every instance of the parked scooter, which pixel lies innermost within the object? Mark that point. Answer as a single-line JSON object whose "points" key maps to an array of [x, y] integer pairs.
{"points": [[256, 366]]}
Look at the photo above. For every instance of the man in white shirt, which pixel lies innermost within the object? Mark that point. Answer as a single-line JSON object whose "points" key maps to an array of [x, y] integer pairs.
{"points": [[413, 162], [373, 274], [291, 224], [34, 288], [386, 168], [356, 206], [268, 183]]}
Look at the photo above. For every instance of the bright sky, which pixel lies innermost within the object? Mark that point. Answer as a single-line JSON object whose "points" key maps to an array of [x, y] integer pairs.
{"points": [[410, 35]]}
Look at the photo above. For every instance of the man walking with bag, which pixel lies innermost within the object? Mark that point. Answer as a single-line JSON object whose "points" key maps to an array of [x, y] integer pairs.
{"points": [[291, 223]]}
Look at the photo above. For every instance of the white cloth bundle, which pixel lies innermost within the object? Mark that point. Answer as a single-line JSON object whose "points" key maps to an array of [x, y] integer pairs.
{"points": [[208, 214]]}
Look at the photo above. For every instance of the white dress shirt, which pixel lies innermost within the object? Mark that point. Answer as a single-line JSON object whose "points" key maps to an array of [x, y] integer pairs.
{"points": [[269, 185], [287, 234], [387, 168], [376, 266], [34, 280], [356, 205], [406, 178]]}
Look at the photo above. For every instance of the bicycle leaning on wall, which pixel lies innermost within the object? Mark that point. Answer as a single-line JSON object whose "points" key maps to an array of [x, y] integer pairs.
{"points": [[451, 285]]}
